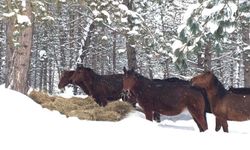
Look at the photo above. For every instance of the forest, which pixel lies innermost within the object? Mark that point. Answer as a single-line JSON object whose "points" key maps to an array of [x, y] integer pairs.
{"points": [[159, 38]]}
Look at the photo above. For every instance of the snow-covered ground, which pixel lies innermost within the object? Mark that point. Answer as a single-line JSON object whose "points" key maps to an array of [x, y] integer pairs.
{"points": [[25, 125]]}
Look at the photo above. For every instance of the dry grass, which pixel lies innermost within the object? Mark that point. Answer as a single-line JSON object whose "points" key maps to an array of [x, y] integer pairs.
{"points": [[85, 109]]}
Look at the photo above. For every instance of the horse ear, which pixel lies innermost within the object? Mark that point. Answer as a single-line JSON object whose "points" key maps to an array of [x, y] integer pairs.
{"points": [[124, 69]]}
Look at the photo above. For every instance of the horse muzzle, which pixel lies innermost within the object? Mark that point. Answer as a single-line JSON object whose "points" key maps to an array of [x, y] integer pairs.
{"points": [[125, 95]]}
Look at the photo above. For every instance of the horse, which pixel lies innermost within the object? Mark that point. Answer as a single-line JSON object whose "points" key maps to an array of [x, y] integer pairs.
{"points": [[225, 105], [239, 90], [174, 80], [102, 88], [164, 97], [66, 79]]}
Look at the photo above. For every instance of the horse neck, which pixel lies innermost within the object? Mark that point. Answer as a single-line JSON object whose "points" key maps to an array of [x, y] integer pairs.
{"points": [[141, 85], [215, 91], [92, 76]]}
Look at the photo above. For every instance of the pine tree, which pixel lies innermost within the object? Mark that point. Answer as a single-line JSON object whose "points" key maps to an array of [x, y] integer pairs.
{"points": [[208, 26]]}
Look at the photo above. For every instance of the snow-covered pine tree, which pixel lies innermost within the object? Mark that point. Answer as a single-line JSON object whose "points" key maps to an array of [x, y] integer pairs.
{"points": [[208, 26]]}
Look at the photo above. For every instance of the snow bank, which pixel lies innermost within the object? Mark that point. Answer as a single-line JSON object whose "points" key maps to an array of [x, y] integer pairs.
{"points": [[25, 125]]}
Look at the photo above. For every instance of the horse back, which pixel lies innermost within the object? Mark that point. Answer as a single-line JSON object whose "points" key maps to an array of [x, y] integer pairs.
{"points": [[108, 86]]}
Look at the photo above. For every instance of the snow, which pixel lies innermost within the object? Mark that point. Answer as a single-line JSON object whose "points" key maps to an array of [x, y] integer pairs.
{"points": [[115, 3], [133, 31], [23, 4], [123, 7], [93, 4], [189, 11], [124, 20], [48, 18], [95, 12], [42, 53], [26, 125], [122, 50], [23, 19], [105, 38], [98, 19], [105, 13], [212, 26], [8, 14]]}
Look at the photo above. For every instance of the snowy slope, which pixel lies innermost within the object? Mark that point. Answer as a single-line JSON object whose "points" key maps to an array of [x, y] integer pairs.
{"points": [[26, 125]]}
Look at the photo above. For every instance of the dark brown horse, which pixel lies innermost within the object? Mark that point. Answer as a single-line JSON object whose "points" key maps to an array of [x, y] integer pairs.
{"points": [[164, 97], [102, 88], [225, 105], [66, 79], [178, 81], [239, 90]]}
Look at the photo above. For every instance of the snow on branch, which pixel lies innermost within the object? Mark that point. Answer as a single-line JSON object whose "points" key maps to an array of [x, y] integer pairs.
{"points": [[23, 19]]}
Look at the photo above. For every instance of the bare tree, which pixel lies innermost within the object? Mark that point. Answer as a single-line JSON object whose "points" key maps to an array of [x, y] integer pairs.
{"points": [[130, 39], [246, 55], [18, 56]]}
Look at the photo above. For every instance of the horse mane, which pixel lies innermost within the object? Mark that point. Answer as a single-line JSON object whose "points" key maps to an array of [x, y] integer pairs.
{"points": [[242, 90], [220, 87], [89, 70]]}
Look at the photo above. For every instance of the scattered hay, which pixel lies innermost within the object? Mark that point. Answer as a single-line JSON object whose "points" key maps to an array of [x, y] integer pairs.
{"points": [[107, 116], [40, 97], [120, 107], [81, 114], [84, 109], [64, 106]]}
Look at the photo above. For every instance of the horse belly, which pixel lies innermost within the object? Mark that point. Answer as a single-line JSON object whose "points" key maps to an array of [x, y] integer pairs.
{"points": [[238, 115], [170, 111], [235, 110]]}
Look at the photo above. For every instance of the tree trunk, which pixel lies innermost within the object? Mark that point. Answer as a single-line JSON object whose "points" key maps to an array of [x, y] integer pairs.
{"points": [[10, 50], [166, 70], [71, 38], [130, 40], [62, 38], [19, 57], [200, 60], [246, 55], [45, 76], [114, 52], [85, 48], [41, 76], [1, 53], [208, 56], [36, 68], [51, 77]]}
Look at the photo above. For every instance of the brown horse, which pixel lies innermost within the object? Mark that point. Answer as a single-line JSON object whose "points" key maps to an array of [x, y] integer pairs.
{"points": [[102, 88], [177, 81], [66, 79], [225, 105], [239, 90], [164, 97]]}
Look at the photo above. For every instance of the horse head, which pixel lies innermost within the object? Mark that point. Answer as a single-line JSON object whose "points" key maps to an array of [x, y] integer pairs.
{"points": [[130, 79], [65, 78], [203, 80]]}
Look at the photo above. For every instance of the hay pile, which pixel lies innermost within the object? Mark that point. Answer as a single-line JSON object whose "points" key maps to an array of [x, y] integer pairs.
{"points": [[85, 109]]}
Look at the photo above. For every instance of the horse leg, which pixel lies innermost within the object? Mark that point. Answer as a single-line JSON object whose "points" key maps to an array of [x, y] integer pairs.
{"points": [[103, 102], [218, 124], [149, 114], [199, 126], [198, 117], [221, 122], [157, 117], [98, 100], [224, 125]]}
